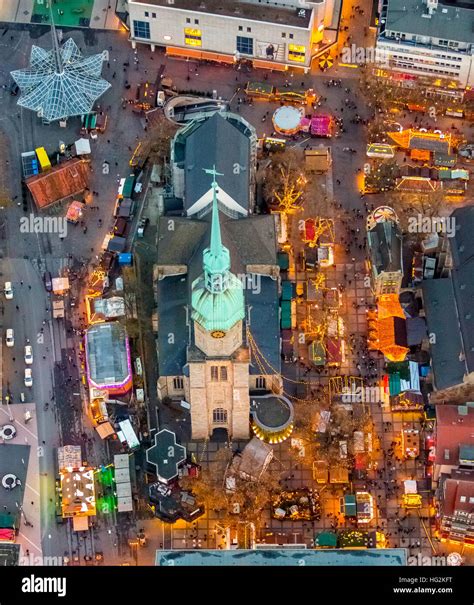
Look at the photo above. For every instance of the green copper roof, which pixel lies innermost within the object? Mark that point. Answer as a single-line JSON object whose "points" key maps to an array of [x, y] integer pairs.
{"points": [[217, 298], [218, 311]]}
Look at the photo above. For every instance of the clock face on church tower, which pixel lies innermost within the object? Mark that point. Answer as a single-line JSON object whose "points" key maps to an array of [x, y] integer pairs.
{"points": [[218, 334]]}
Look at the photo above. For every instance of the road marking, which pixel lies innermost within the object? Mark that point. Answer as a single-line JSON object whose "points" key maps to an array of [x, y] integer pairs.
{"points": [[32, 543], [32, 489], [24, 427]]}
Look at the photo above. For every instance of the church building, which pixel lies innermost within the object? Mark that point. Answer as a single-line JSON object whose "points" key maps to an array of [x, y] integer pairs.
{"points": [[216, 283]]}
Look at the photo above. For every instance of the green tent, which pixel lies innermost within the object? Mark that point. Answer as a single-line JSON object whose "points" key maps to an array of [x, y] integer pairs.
{"points": [[326, 539], [349, 505], [286, 290], [283, 261]]}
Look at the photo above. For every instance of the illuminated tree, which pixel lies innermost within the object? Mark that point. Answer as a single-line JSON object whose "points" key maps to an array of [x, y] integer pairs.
{"points": [[289, 195], [283, 180]]}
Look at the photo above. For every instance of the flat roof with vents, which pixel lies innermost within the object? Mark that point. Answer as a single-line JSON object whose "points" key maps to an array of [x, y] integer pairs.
{"points": [[295, 16]]}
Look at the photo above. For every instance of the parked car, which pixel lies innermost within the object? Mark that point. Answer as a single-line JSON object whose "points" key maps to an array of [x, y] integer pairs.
{"points": [[28, 377], [48, 282], [8, 290], [28, 355], [9, 338], [160, 98], [142, 226]]}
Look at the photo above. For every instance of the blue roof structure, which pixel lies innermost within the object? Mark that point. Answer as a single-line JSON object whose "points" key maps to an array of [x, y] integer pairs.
{"points": [[372, 557]]}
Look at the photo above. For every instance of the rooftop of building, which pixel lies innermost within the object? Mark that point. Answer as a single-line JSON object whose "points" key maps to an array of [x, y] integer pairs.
{"points": [[454, 427], [462, 249], [442, 320], [159, 455], [283, 557], [108, 357], [264, 11], [13, 460], [458, 492], [385, 247], [271, 412], [223, 141], [173, 294], [447, 21], [60, 182], [9, 554]]}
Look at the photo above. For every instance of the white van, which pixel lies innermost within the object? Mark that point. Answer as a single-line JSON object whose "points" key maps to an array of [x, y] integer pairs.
{"points": [[9, 338]]}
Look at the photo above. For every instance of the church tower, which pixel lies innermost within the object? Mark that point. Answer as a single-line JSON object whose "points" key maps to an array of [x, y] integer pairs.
{"points": [[218, 379]]}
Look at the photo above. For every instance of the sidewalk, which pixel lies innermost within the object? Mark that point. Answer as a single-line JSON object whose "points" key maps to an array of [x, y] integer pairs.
{"points": [[29, 536]]}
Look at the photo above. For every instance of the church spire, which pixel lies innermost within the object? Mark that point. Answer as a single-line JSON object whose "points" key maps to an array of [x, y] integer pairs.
{"points": [[216, 239], [216, 258]]}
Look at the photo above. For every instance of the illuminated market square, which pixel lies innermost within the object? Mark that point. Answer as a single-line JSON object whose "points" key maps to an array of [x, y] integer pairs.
{"points": [[237, 255]]}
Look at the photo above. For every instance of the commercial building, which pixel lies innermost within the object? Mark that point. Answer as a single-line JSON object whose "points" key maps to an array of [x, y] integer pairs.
{"points": [[272, 35], [448, 308], [454, 438], [456, 509], [77, 488], [287, 557], [428, 38]]}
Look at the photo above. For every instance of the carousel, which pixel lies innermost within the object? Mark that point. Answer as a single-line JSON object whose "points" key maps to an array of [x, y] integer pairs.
{"points": [[287, 120]]}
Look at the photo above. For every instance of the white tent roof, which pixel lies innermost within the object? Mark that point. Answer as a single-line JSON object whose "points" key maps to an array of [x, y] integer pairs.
{"points": [[83, 147]]}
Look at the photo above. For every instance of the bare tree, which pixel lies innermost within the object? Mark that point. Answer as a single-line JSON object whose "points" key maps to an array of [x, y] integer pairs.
{"points": [[409, 205], [245, 498], [155, 145]]}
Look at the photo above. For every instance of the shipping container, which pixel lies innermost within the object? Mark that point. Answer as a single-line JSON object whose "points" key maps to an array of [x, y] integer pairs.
{"points": [[43, 158]]}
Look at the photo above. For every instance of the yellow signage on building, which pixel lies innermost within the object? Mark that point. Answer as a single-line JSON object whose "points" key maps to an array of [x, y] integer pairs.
{"points": [[296, 53], [192, 37]]}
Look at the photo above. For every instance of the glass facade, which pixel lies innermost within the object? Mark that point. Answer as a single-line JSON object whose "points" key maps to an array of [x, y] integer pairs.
{"points": [[141, 29], [245, 45]]}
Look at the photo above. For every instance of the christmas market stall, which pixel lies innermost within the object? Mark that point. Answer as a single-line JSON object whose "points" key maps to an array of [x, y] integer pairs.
{"points": [[387, 328], [300, 504]]}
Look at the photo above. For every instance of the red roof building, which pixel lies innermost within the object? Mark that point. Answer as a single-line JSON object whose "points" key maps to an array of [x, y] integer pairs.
{"points": [[456, 510], [454, 429], [68, 179]]}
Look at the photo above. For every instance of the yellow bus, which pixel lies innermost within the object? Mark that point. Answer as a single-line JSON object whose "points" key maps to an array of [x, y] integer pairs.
{"points": [[43, 158]]}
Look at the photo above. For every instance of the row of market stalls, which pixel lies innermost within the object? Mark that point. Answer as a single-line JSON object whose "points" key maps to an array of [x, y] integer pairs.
{"points": [[83, 491], [436, 151]]}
